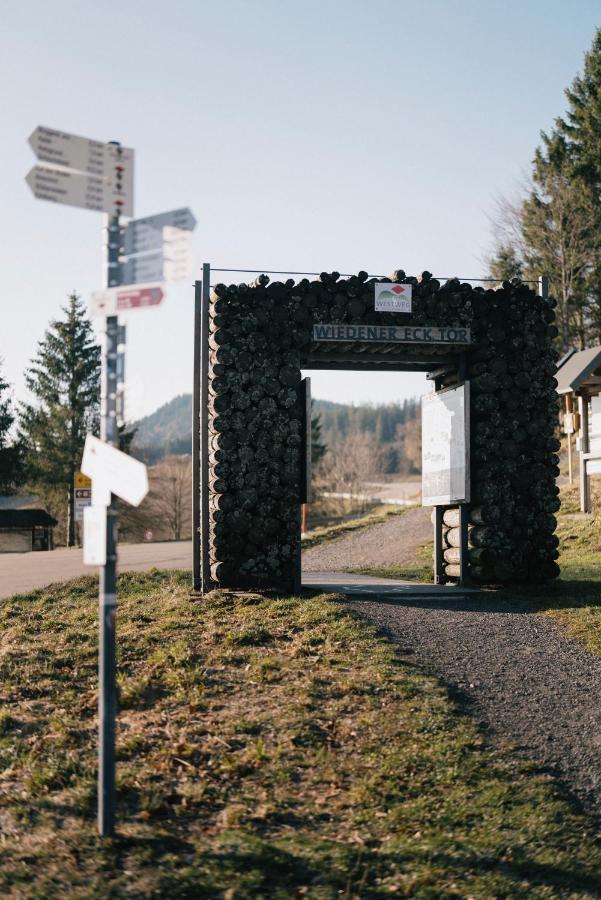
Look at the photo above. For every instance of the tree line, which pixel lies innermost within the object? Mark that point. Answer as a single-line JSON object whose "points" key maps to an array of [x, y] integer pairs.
{"points": [[41, 441], [391, 431], [554, 226]]}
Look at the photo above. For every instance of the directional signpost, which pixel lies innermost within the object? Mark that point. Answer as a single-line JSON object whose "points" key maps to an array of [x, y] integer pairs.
{"points": [[99, 176]]}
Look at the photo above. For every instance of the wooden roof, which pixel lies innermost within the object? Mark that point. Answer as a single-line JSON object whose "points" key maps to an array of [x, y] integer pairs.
{"points": [[25, 518], [580, 371]]}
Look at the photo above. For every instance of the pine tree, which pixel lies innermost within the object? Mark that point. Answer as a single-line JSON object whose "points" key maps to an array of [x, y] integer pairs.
{"points": [[506, 263], [64, 379], [556, 227], [558, 223], [11, 456], [581, 127], [581, 133]]}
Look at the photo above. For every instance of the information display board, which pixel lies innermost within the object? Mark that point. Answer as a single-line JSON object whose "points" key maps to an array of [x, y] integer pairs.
{"points": [[445, 447]]}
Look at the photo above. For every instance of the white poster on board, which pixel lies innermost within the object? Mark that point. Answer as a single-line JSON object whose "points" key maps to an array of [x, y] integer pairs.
{"points": [[445, 447], [595, 420]]}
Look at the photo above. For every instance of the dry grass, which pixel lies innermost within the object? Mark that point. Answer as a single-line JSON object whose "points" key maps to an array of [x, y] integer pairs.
{"points": [[268, 747]]}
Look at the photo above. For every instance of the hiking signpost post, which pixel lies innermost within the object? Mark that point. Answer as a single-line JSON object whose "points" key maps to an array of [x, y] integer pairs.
{"points": [[139, 257]]}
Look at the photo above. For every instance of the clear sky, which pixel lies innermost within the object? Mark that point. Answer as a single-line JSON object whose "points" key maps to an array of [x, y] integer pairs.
{"points": [[304, 134]]}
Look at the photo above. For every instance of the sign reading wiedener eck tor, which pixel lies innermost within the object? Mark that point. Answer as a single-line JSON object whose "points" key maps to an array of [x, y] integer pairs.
{"points": [[396, 334]]}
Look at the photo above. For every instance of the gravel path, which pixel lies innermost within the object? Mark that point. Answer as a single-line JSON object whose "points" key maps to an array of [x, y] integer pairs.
{"points": [[394, 541], [517, 673]]}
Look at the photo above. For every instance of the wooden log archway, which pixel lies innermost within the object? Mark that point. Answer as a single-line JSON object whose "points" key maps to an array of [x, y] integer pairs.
{"points": [[249, 416]]}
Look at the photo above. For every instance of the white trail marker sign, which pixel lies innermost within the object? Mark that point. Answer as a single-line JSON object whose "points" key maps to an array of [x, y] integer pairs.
{"points": [[81, 172], [158, 248]]}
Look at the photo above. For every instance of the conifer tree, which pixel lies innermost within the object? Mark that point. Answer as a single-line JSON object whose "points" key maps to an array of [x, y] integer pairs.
{"points": [[556, 228], [506, 263], [581, 127], [11, 456], [64, 379]]}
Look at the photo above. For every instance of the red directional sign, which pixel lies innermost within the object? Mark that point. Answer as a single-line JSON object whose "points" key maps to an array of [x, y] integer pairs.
{"points": [[135, 297], [118, 299]]}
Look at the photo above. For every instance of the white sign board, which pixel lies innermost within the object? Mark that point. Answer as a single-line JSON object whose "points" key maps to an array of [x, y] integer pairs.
{"points": [[393, 297], [113, 472], [445, 447], [83, 499], [78, 189], [145, 235], [91, 174], [94, 536], [595, 420], [138, 269], [167, 257]]}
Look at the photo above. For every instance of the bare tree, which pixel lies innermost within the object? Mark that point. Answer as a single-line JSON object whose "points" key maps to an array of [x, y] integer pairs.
{"points": [[351, 462], [548, 228], [170, 495], [166, 510], [409, 439]]}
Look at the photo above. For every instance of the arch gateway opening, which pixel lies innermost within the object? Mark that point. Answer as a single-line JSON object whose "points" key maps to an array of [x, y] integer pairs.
{"points": [[251, 415]]}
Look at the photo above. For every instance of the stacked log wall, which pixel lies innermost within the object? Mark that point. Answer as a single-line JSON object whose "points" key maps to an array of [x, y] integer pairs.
{"points": [[259, 336]]}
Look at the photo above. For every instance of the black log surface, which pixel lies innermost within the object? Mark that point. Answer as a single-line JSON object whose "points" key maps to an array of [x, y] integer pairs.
{"points": [[261, 334]]}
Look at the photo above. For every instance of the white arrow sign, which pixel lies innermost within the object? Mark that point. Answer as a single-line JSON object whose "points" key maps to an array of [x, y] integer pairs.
{"points": [[172, 260], [76, 189], [74, 156], [145, 235], [70, 150], [113, 472]]}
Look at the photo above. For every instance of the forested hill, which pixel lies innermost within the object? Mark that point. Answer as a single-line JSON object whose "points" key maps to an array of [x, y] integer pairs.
{"points": [[165, 432], [339, 420], [168, 430]]}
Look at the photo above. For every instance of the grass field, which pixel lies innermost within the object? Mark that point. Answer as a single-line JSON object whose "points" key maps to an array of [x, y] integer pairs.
{"points": [[268, 747]]}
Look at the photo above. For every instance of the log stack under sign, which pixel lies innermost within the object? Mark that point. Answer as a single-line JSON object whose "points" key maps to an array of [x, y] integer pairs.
{"points": [[260, 336]]}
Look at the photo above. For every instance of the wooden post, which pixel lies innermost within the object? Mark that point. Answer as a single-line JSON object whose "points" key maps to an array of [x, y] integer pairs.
{"points": [[569, 437], [585, 500], [464, 517], [205, 568], [439, 576]]}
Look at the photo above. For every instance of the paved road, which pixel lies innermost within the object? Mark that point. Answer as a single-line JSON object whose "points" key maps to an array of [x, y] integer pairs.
{"points": [[22, 572]]}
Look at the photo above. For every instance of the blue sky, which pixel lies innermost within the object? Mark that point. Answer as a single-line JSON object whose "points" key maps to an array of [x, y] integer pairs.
{"points": [[322, 134]]}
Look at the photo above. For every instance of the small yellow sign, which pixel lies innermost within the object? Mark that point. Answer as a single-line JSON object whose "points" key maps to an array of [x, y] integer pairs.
{"points": [[81, 481]]}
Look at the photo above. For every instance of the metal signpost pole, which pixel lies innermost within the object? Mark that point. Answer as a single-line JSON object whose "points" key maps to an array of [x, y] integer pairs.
{"points": [[196, 567], [108, 576], [205, 571]]}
